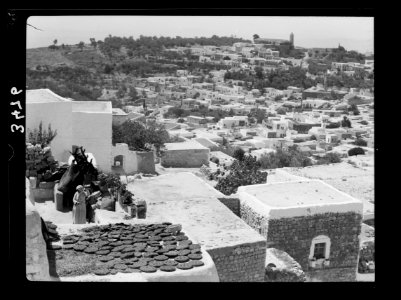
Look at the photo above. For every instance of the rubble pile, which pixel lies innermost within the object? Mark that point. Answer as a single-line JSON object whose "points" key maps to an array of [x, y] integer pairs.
{"points": [[367, 257], [137, 248], [39, 161]]}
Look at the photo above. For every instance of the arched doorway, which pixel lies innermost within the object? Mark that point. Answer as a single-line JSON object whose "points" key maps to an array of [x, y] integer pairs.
{"points": [[118, 164]]}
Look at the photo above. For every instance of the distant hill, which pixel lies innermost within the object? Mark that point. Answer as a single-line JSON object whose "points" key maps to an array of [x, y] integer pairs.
{"points": [[70, 57]]}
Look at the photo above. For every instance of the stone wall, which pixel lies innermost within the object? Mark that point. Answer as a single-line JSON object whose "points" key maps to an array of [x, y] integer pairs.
{"points": [[37, 264], [146, 162], [241, 263], [280, 267], [130, 163], [187, 158], [255, 220], [233, 204], [331, 275], [294, 235]]}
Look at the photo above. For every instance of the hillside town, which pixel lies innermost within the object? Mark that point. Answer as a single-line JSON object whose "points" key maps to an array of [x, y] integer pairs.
{"points": [[249, 161]]}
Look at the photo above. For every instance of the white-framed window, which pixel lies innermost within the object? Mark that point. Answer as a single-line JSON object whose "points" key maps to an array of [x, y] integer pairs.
{"points": [[320, 248]]}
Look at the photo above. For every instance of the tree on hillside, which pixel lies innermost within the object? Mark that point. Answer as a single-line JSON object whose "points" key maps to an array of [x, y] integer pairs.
{"points": [[356, 151], [108, 69], [259, 72], [93, 42], [81, 45], [346, 122], [239, 154], [256, 36], [361, 142], [121, 91], [55, 42], [140, 137], [133, 94], [281, 111]]}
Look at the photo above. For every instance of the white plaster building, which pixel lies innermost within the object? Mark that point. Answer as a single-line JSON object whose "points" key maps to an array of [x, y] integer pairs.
{"points": [[81, 123], [229, 122]]}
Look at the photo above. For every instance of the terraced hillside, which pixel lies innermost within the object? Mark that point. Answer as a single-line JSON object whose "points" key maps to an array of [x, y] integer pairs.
{"points": [[88, 57]]}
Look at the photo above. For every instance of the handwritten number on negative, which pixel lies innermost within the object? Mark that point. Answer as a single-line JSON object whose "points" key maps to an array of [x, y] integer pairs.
{"points": [[16, 113], [17, 127], [16, 103]]}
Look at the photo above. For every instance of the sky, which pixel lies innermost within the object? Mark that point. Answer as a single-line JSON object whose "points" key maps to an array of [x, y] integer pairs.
{"points": [[353, 33]]}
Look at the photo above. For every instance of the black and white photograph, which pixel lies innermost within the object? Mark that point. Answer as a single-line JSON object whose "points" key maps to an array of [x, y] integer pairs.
{"points": [[197, 148]]}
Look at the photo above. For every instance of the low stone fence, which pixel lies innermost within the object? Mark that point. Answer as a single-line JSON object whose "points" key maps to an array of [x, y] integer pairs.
{"points": [[41, 191], [37, 264], [332, 275], [241, 263], [185, 158]]}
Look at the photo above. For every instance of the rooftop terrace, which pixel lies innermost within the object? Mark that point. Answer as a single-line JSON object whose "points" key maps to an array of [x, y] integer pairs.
{"points": [[184, 198]]}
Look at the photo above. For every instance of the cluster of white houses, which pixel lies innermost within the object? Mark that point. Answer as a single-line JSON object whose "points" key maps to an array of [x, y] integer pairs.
{"points": [[314, 223]]}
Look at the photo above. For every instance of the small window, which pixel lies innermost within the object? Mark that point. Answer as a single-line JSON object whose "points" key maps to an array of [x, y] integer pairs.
{"points": [[320, 250]]}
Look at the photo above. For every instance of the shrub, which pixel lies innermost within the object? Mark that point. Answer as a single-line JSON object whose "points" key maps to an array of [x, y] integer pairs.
{"points": [[40, 136], [111, 181], [363, 122], [356, 151], [140, 137], [239, 154], [285, 158], [244, 172], [281, 111], [346, 122], [361, 142], [181, 120], [330, 158]]}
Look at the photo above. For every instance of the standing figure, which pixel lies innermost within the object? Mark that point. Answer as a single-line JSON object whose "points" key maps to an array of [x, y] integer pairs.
{"points": [[79, 206]]}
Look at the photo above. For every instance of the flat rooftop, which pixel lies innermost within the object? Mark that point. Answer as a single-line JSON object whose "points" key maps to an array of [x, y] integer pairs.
{"points": [[186, 199], [297, 193], [297, 198], [92, 106], [43, 96]]}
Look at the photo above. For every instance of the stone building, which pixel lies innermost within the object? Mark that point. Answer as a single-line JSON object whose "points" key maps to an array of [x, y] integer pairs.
{"points": [[313, 222], [189, 154]]}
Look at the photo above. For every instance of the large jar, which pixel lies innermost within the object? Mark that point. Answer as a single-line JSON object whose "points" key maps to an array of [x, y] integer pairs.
{"points": [[141, 209]]}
